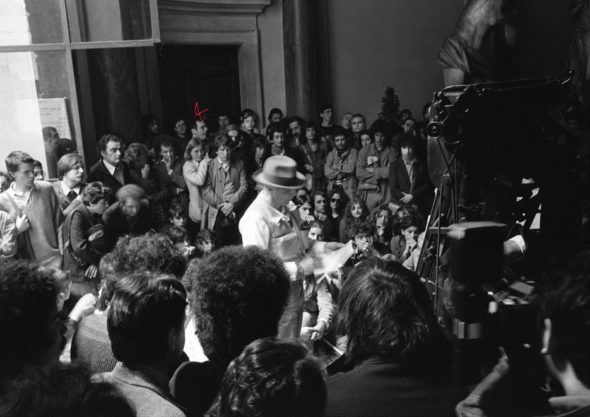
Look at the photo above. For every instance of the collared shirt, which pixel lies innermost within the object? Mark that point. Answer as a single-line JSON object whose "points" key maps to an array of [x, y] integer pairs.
{"points": [[20, 199], [410, 167], [115, 171], [66, 190]]}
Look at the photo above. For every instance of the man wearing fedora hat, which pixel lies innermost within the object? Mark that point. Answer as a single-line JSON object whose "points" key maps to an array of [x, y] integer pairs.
{"points": [[267, 224]]}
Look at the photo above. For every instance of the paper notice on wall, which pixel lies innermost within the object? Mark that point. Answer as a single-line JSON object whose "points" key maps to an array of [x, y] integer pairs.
{"points": [[54, 112]]}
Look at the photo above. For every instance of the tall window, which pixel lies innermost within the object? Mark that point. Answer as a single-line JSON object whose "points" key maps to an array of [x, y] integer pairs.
{"points": [[39, 111]]}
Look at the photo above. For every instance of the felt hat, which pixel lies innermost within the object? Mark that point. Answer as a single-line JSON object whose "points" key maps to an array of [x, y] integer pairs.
{"points": [[280, 172]]}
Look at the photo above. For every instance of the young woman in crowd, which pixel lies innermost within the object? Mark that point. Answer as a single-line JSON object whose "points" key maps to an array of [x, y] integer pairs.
{"points": [[403, 244], [336, 203], [194, 171], [356, 211]]}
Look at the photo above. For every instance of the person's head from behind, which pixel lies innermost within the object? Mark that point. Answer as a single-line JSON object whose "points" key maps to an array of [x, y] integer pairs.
{"points": [[564, 298], [146, 320], [272, 378], [20, 167], [31, 330], [70, 169], [4, 181], [110, 148], [149, 252], [237, 295], [386, 312], [130, 198], [95, 197]]}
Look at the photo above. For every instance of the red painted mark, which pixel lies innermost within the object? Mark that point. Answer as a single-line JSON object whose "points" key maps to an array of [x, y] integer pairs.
{"points": [[199, 112]]}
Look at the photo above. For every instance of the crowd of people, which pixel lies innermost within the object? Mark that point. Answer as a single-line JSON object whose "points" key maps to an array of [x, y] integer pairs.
{"points": [[178, 276]]}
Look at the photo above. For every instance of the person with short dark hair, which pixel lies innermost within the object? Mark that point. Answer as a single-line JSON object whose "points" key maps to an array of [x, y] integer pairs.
{"points": [[236, 295], [317, 148], [34, 208], [395, 347], [180, 138], [169, 176], [341, 165], [146, 328], [564, 301], [326, 126], [110, 169], [151, 252], [275, 115], [272, 378]]}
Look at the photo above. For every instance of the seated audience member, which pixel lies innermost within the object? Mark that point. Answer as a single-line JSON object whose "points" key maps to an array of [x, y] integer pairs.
{"points": [[393, 343], [69, 186], [272, 378], [564, 300], [320, 206], [362, 234], [151, 252], [194, 171], [177, 217], [305, 213], [315, 232], [180, 240], [84, 242], [383, 221], [318, 309], [224, 192], [409, 181], [130, 215], [341, 164], [237, 295], [205, 243], [5, 181], [34, 208], [372, 170], [169, 175], [8, 235], [110, 170], [355, 212], [146, 328], [403, 244], [331, 225]]}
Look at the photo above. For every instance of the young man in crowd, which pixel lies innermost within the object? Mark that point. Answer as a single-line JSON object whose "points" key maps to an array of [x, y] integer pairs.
{"points": [[35, 209], [225, 189], [357, 125], [69, 186], [146, 328], [169, 174], [110, 169], [327, 126], [341, 164], [372, 170]]}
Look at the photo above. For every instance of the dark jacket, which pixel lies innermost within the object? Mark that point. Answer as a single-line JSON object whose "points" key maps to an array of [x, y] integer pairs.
{"points": [[117, 225], [377, 388], [421, 188], [99, 172], [64, 201], [195, 385]]}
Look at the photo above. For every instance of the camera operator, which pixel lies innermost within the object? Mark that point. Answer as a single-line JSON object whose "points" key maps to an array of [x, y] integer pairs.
{"points": [[564, 299]]}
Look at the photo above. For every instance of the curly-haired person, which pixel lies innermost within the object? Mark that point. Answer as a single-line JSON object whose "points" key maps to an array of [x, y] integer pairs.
{"points": [[236, 295]]}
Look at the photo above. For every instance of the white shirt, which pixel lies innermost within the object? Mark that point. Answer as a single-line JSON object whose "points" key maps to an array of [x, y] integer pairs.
{"points": [[112, 168]]}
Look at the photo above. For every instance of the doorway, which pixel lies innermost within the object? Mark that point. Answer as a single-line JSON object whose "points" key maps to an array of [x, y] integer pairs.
{"points": [[204, 74]]}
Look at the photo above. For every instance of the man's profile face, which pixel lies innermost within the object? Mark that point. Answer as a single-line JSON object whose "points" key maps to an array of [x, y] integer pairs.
{"points": [[278, 139], [24, 177], [200, 130], [223, 121], [168, 154], [320, 203], [379, 140], [76, 174], [113, 153], [180, 127]]}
